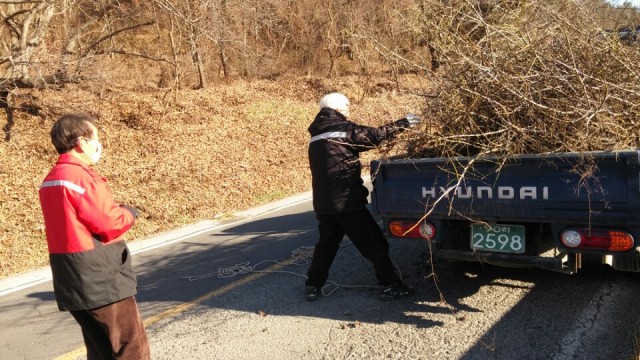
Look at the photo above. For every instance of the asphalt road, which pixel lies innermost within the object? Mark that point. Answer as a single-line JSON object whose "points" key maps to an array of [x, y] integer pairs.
{"points": [[202, 298]]}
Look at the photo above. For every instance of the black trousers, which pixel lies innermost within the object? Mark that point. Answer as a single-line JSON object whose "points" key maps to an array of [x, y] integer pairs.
{"points": [[114, 331], [364, 233]]}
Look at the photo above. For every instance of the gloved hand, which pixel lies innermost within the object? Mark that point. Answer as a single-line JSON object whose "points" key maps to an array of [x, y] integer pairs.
{"points": [[132, 210], [413, 119]]}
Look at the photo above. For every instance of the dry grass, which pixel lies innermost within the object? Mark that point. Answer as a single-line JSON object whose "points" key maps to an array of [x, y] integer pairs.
{"points": [[201, 156]]}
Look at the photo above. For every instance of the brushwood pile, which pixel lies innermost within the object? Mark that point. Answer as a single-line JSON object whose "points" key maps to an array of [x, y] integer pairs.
{"points": [[530, 77]]}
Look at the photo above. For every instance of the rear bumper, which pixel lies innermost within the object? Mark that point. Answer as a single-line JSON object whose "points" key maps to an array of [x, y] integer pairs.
{"points": [[568, 263]]}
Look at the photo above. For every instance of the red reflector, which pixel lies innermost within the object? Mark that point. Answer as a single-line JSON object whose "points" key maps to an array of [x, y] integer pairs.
{"points": [[412, 229]]}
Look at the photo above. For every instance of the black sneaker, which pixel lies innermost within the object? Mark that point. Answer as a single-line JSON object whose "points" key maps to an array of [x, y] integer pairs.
{"points": [[397, 291], [312, 293]]}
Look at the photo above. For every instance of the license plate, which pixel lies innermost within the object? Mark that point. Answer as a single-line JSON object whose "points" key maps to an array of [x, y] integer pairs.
{"points": [[498, 238]]}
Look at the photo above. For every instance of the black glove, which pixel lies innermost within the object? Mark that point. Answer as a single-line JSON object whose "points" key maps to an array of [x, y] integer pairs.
{"points": [[132, 210]]}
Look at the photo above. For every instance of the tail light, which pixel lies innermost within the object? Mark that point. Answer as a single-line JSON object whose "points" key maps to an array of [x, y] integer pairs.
{"points": [[597, 239], [412, 229]]}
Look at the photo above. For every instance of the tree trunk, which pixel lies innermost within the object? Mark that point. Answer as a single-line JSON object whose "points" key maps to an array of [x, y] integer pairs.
{"points": [[4, 104], [224, 61], [197, 59], [223, 26]]}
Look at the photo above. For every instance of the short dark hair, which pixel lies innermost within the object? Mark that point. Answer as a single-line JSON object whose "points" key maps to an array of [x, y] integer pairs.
{"points": [[66, 131]]}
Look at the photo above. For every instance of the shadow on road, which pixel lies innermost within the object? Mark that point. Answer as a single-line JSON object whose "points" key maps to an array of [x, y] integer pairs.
{"points": [[192, 267], [543, 316], [542, 324]]}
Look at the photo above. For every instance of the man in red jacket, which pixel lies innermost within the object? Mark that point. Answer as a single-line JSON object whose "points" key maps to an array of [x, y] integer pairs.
{"points": [[91, 264]]}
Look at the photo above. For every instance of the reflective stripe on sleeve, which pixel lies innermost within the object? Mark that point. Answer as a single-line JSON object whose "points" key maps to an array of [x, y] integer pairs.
{"points": [[69, 185], [329, 135]]}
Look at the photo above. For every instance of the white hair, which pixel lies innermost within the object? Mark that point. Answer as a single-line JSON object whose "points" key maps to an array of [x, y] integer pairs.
{"points": [[335, 101]]}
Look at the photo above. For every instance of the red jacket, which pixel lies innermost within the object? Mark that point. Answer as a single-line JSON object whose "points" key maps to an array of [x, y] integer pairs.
{"points": [[91, 265]]}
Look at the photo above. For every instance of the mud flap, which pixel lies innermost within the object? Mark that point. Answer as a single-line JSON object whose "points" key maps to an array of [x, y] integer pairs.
{"points": [[623, 263]]}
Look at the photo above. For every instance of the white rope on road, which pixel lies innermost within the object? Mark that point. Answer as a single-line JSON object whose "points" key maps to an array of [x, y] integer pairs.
{"points": [[300, 257]]}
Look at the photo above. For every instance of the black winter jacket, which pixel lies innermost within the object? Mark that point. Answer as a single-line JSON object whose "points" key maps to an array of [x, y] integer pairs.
{"points": [[334, 159], [91, 279]]}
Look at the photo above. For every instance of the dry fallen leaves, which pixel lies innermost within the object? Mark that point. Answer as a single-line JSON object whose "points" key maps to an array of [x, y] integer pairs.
{"points": [[212, 152]]}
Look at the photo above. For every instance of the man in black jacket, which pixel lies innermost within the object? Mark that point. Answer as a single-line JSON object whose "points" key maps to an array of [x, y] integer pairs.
{"points": [[339, 197]]}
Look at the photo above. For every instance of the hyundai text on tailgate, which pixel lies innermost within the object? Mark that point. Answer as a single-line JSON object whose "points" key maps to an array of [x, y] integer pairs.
{"points": [[541, 211]]}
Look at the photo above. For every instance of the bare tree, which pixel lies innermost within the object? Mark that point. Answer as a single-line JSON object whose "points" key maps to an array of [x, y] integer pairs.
{"points": [[25, 24], [26, 63], [190, 18]]}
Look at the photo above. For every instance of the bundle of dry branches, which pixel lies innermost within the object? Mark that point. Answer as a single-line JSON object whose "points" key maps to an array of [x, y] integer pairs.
{"points": [[529, 77]]}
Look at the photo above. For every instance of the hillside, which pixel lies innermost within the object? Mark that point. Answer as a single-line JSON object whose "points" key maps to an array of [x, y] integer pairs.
{"points": [[197, 156]]}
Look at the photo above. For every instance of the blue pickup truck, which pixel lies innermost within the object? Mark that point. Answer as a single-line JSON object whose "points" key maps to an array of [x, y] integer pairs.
{"points": [[540, 211]]}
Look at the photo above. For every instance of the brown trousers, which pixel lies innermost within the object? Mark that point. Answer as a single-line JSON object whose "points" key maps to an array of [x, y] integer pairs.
{"points": [[114, 331]]}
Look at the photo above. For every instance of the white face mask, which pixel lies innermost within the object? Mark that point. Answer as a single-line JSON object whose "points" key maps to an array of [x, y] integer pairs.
{"points": [[95, 157]]}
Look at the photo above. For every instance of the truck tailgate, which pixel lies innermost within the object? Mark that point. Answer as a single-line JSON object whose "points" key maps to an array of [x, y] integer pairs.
{"points": [[592, 188]]}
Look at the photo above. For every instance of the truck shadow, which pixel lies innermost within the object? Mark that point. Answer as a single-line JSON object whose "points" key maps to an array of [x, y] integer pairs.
{"points": [[556, 313]]}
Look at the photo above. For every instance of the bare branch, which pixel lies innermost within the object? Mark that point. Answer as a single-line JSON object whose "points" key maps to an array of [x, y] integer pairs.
{"points": [[11, 24], [17, 2], [109, 36], [144, 56]]}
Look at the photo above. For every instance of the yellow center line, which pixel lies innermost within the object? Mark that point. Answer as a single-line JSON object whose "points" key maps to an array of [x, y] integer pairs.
{"points": [[82, 351]]}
